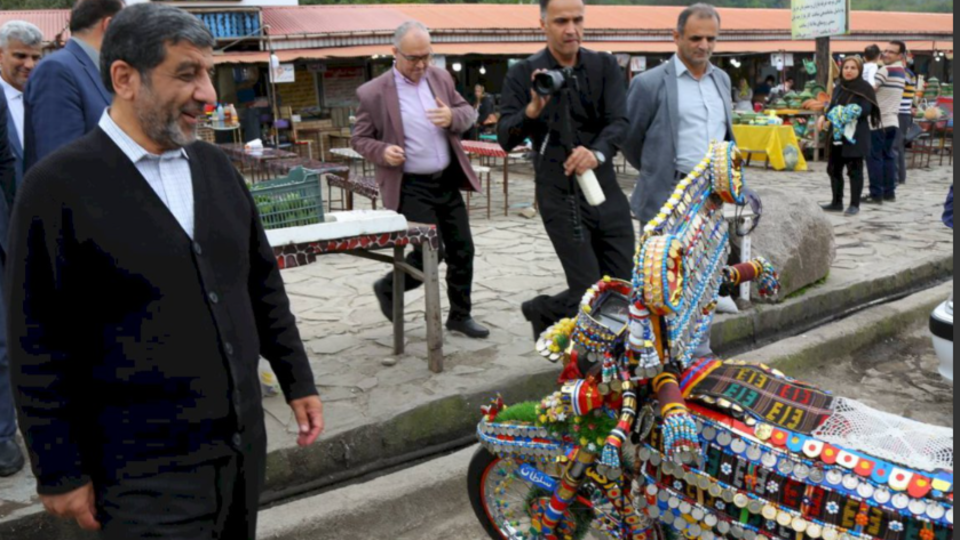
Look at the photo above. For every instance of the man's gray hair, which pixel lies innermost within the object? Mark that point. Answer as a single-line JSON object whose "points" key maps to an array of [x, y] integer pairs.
{"points": [[139, 36], [405, 29], [21, 31], [700, 11]]}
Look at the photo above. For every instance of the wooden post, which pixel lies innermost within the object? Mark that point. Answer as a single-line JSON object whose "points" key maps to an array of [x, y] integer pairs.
{"points": [[823, 62], [431, 281], [824, 70]]}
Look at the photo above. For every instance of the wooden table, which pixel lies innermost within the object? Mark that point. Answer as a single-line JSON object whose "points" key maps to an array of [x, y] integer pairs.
{"points": [[256, 160], [491, 150], [281, 167], [221, 126], [811, 116], [294, 255], [769, 141]]}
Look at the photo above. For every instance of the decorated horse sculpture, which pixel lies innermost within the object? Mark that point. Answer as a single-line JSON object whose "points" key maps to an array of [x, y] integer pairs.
{"points": [[644, 440]]}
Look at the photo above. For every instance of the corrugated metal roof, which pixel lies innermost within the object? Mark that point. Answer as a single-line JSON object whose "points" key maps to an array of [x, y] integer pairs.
{"points": [[311, 20], [50, 21], [525, 49]]}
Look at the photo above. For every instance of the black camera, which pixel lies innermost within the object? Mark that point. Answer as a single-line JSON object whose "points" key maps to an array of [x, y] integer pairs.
{"points": [[552, 82]]}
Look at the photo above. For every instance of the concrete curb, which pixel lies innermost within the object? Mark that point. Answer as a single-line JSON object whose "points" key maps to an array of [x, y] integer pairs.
{"points": [[768, 323], [412, 498], [807, 351], [372, 446]]}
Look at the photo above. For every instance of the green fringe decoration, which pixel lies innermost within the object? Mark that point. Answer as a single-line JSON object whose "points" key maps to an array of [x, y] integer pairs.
{"points": [[595, 426]]}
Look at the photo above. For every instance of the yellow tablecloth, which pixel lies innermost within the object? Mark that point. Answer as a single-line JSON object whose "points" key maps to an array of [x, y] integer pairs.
{"points": [[771, 140]]}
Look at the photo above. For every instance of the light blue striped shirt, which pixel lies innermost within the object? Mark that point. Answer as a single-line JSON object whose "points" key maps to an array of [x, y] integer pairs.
{"points": [[168, 174]]}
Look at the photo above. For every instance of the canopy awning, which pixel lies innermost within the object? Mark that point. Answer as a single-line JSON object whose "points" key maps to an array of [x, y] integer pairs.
{"points": [[526, 49]]}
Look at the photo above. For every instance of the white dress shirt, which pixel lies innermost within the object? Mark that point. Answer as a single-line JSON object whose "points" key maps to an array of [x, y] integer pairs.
{"points": [[15, 104], [703, 116], [168, 174]]}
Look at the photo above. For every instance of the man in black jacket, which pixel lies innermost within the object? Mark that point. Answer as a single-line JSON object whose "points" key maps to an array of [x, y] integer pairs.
{"points": [[592, 242], [11, 458], [142, 293]]}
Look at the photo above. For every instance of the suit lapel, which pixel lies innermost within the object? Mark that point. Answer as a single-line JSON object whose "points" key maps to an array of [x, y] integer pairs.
{"points": [[200, 192], [392, 97], [673, 99], [12, 135], [90, 69]]}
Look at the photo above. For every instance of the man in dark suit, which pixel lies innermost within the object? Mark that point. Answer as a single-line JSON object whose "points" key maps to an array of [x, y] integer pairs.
{"points": [[65, 96], [21, 47], [407, 129], [591, 241], [136, 323], [11, 458]]}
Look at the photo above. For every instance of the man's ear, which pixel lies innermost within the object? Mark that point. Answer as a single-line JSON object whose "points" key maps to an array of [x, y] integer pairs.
{"points": [[126, 80]]}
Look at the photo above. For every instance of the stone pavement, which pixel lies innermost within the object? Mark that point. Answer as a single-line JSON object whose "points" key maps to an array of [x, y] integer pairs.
{"points": [[348, 339]]}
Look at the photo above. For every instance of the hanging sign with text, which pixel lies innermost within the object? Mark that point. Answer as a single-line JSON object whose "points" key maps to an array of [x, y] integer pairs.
{"points": [[820, 18]]}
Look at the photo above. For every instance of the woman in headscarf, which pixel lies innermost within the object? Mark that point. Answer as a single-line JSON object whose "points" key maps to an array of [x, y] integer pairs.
{"points": [[854, 107], [744, 97]]}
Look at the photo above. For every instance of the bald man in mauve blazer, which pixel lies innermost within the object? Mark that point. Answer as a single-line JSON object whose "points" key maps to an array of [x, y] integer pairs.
{"points": [[409, 124]]}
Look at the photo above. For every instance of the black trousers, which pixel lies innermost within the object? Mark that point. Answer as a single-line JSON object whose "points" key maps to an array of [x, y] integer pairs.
{"points": [[215, 500], [854, 167], [607, 247], [439, 202]]}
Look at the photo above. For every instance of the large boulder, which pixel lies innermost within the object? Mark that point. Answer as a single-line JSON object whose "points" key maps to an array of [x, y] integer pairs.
{"points": [[796, 236]]}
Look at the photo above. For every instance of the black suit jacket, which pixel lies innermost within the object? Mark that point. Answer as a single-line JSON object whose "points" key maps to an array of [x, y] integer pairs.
{"points": [[132, 346], [8, 173], [599, 115]]}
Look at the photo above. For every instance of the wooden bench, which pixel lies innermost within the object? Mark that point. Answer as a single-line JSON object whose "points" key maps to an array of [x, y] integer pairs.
{"points": [[350, 185]]}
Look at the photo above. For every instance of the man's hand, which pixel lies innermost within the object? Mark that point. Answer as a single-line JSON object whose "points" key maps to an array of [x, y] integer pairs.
{"points": [[537, 102], [442, 116], [77, 505], [580, 161], [309, 414], [822, 123], [394, 156]]}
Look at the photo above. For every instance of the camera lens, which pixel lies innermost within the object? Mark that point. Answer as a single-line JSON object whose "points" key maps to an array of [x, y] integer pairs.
{"points": [[548, 83]]}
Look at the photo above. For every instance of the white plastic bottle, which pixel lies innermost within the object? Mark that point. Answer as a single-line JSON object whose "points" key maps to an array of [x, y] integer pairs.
{"points": [[591, 188]]}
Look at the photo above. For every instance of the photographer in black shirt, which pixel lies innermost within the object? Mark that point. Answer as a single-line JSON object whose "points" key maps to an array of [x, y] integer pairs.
{"points": [[576, 128]]}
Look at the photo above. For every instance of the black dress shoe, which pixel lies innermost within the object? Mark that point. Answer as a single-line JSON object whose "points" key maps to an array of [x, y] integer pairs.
{"points": [[890, 198], [385, 299], [468, 327], [872, 200], [532, 314], [11, 458], [832, 207]]}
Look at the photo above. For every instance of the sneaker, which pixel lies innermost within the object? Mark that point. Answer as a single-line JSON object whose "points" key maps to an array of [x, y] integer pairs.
{"points": [[873, 200], [852, 211], [890, 198]]}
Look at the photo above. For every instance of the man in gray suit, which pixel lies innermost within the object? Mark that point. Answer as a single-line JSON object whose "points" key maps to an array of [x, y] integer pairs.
{"points": [[666, 141]]}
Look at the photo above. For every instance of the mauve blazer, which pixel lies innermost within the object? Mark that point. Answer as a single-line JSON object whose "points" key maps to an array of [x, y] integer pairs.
{"points": [[379, 125]]}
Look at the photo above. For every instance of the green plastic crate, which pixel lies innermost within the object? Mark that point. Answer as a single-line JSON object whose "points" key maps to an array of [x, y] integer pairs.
{"points": [[292, 201]]}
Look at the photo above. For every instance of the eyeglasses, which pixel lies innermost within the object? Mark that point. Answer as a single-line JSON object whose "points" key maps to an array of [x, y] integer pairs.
{"points": [[425, 59]]}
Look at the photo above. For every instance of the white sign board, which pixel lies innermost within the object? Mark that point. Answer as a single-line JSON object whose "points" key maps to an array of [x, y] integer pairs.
{"points": [[638, 64], [781, 61], [820, 18], [283, 73]]}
